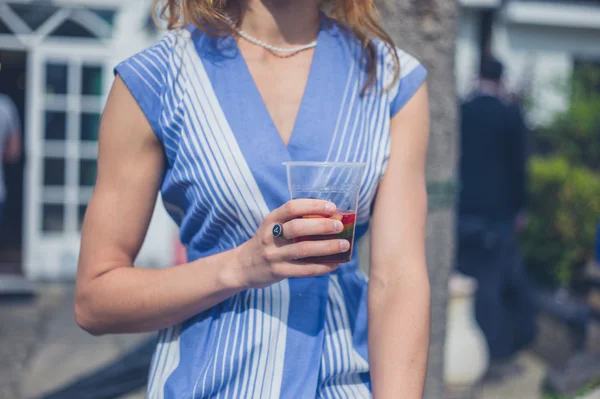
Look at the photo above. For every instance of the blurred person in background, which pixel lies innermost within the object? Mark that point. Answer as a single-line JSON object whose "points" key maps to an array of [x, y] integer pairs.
{"points": [[10, 141], [207, 117], [491, 213]]}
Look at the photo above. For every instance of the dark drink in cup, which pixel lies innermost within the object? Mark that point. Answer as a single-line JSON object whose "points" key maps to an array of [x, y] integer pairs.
{"points": [[348, 219], [337, 182]]}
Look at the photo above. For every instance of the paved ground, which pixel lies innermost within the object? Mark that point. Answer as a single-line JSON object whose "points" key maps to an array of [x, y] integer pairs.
{"points": [[22, 324], [41, 348], [593, 395], [524, 386]]}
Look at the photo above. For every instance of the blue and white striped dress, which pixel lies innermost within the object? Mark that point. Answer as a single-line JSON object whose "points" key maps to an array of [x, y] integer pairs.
{"points": [[301, 338]]}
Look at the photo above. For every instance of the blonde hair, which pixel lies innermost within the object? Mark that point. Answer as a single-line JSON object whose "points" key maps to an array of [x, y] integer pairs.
{"points": [[359, 16]]}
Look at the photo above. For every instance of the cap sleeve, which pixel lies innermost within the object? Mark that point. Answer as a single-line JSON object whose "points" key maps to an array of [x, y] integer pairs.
{"points": [[412, 76], [145, 75]]}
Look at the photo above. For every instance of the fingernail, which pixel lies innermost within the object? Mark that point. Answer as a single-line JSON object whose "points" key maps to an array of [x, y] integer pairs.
{"points": [[330, 207], [344, 245], [339, 226]]}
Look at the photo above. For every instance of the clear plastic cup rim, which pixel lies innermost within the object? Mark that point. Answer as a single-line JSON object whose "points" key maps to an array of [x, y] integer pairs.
{"points": [[325, 164]]}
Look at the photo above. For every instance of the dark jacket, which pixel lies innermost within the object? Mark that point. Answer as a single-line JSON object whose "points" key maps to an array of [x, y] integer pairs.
{"points": [[492, 166]]}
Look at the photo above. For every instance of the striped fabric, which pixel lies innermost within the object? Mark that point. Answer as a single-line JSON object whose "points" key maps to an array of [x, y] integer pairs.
{"points": [[301, 338]]}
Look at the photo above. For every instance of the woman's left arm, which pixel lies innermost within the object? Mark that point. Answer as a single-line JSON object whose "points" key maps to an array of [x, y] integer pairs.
{"points": [[399, 292]]}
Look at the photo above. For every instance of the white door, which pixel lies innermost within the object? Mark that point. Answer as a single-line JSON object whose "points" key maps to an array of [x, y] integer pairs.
{"points": [[66, 93]]}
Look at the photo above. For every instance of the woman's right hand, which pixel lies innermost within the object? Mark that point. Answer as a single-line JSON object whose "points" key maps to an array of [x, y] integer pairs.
{"points": [[266, 260]]}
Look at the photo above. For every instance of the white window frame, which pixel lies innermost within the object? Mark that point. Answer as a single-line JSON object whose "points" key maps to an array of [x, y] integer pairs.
{"points": [[54, 254]]}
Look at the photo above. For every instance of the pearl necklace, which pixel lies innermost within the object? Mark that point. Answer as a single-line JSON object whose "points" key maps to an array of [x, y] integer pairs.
{"points": [[274, 49]]}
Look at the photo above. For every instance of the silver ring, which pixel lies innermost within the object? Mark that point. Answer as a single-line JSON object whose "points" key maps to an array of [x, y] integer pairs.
{"points": [[278, 230]]}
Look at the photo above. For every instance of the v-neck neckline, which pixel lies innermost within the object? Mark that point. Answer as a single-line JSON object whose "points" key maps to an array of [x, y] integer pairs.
{"points": [[317, 126], [305, 94]]}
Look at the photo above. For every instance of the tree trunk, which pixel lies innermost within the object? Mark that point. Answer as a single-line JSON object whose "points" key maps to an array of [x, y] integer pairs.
{"points": [[427, 30]]}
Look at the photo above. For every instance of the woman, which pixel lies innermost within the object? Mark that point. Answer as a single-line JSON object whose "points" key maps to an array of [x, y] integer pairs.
{"points": [[208, 119]]}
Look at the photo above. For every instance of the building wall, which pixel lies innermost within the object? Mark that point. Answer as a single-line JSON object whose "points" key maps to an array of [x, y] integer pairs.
{"points": [[538, 54], [467, 51], [537, 57], [546, 56], [542, 54], [51, 254]]}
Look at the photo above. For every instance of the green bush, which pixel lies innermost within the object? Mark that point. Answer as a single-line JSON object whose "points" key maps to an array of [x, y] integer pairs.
{"points": [[575, 134], [564, 186], [564, 206]]}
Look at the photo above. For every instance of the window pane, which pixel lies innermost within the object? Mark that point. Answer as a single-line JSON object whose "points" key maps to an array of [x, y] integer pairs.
{"points": [[81, 215], [107, 15], [90, 124], [53, 218], [56, 78], [91, 81], [56, 123], [54, 172], [34, 15], [70, 28], [87, 172], [4, 29]]}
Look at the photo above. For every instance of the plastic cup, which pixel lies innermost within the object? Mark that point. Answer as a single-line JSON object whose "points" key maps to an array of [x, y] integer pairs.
{"points": [[338, 182]]}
